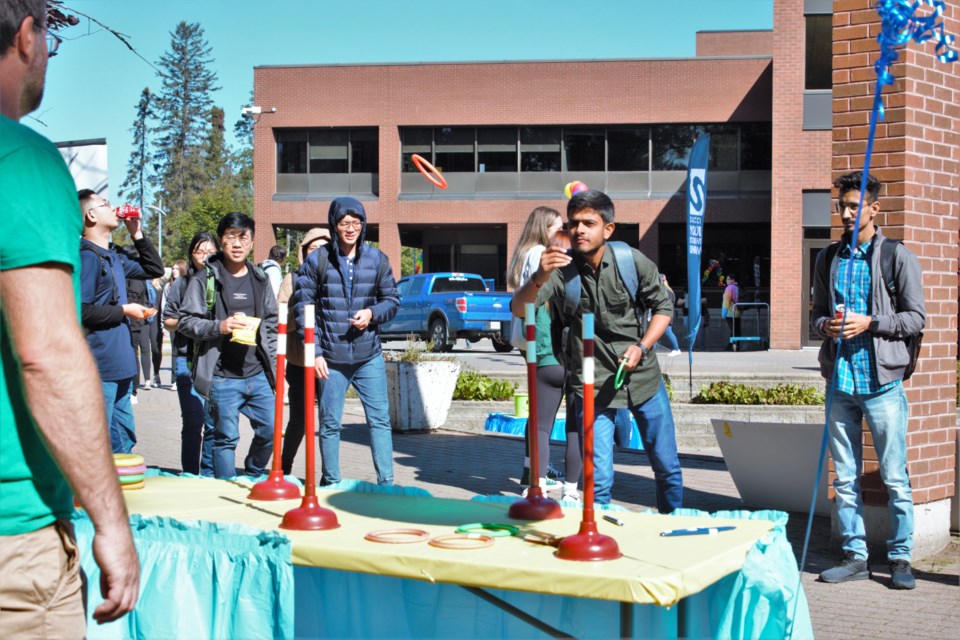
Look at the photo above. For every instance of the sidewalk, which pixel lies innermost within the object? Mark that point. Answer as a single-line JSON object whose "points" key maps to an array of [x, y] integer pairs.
{"points": [[459, 465]]}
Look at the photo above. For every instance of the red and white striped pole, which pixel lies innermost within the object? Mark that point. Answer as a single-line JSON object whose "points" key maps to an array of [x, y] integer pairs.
{"points": [[309, 515], [588, 544], [534, 506], [275, 487]]}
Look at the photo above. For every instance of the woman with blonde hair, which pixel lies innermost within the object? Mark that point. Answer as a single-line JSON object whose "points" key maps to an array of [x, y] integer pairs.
{"points": [[541, 224]]}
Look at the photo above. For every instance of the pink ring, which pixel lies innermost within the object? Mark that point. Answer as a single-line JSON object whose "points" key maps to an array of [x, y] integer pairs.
{"points": [[397, 536], [131, 471]]}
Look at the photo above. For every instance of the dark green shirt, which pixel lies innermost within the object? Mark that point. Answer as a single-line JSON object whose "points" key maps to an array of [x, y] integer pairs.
{"points": [[615, 327]]}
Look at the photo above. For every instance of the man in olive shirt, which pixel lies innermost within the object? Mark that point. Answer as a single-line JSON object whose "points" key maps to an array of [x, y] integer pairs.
{"points": [[618, 338]]}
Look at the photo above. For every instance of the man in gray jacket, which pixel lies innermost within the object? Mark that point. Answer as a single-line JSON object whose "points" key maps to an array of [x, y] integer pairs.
{"points": [[234, 372], [877, 320]]}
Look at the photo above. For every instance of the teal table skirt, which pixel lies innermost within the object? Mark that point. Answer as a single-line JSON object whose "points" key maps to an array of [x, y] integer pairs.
{"points": [[209, 580], [626, 428]]}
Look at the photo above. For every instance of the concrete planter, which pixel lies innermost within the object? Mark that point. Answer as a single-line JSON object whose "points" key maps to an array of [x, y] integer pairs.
{"points": [[420, 393], [773, 463]]}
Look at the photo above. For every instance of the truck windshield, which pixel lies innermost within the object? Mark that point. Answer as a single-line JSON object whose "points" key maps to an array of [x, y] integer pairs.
{"points": [[457, 283]]}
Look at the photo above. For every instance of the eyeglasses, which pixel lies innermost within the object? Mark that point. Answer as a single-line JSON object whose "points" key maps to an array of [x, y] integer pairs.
{"points": [[105, 203], [204, 252], [53, 43], [347, 224], [244, 238], [851, 206]]}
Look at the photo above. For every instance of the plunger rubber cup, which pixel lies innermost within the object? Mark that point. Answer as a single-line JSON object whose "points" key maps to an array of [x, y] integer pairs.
{"points": [[588, 545], [275, 487], [535, 507], [309, 516]]}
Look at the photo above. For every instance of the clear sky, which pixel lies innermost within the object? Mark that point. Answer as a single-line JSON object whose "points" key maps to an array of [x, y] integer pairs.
{"points": [[94, 82]]}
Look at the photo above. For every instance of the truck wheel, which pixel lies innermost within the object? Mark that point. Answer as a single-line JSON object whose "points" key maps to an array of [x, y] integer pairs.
{"points": [[501, 346], [439, 336]]}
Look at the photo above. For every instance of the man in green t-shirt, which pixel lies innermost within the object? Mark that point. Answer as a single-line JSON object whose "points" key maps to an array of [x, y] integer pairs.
{"points": [[53, 434], [619, 338]]}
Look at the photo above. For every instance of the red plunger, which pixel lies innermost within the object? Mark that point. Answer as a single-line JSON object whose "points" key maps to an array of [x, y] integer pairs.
{"points": [[534, 506], [275, 487], [588, 544], [309, 516]]}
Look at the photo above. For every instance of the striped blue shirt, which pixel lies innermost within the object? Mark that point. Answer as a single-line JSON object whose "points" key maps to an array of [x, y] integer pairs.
{"points": [[856, 374]]}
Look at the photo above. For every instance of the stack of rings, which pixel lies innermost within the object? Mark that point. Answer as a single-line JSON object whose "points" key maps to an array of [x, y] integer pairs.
{"points": [[131, 470]]}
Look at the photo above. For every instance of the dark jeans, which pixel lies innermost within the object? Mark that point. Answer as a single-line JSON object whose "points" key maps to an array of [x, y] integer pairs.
{"points": [[196, 434], [293, 436], [229, 397]]}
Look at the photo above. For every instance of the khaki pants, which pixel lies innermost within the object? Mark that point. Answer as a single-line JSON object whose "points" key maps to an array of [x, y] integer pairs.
{"points": [[41, 590]]}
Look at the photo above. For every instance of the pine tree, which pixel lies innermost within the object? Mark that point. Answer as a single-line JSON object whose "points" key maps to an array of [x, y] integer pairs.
{"points": [[216, 154], [183, 113], [243, 158], [136, 185]]}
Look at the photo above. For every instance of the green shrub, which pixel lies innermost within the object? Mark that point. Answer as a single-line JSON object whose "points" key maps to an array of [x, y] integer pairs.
{"points": [[782, 394], [472, 385]]}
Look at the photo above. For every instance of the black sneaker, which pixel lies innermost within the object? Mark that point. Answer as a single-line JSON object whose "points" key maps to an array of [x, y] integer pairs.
{"points": [[525, 477], [900, 575], [850, 568]]}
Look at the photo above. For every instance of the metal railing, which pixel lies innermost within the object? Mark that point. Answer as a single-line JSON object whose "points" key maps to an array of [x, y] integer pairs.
{"points": [[763, 338]]}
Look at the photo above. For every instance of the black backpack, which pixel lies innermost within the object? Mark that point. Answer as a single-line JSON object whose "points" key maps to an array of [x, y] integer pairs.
{"points": [[888, 251]]}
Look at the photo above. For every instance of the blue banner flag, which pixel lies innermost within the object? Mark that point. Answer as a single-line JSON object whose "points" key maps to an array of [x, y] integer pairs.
{"points": [[696, 208]]}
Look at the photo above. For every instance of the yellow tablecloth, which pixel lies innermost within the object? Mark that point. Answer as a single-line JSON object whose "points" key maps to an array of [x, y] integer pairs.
{"points": [[654, 569]]}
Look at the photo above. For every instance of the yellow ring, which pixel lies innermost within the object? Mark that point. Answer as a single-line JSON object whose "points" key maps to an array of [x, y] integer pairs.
{"points": [[131, 487], [127, 460]]}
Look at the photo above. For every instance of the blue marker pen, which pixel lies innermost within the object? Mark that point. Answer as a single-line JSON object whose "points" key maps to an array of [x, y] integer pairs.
{"points": [[697, 531]]}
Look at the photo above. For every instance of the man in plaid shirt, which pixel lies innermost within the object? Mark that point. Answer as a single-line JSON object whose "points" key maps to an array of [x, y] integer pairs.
{"points": [[869, 371]]}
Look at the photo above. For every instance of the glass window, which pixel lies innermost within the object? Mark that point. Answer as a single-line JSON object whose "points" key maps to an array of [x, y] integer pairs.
{"points": [[416, 285], [455, 284], [723, 146], [417, 140], [584, 149], [364, 151], [454, 149], [819, 52], [291, 151], [628, 149], [497, 149], [671, 146], [756, 144], [540, 149], [328, 150]]}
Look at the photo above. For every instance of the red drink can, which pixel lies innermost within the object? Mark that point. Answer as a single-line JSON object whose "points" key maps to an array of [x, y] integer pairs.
{"points": [[840, 309], [128, 211]]}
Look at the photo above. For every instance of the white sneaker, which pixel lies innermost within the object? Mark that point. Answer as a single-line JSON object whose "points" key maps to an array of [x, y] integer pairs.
{"points": [[571, 495], [674, 353], [145, 386], [133, 399]]}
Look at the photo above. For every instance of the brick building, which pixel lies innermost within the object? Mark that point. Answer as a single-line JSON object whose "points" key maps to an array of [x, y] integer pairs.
{"points": [[787, 110]]}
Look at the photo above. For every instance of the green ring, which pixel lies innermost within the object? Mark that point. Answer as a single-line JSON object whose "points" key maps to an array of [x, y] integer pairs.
{"points": [[618, 379], [492, 529]]}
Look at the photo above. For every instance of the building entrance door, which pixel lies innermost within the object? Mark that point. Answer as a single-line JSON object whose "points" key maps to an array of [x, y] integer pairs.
{"points": [[811, 248]]}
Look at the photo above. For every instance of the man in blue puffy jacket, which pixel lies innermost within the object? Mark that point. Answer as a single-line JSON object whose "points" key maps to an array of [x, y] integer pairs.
{"points": [[352, 286]]}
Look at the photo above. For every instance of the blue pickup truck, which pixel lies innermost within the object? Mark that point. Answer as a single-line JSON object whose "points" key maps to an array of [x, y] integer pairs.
{"points": [[441, 307]]}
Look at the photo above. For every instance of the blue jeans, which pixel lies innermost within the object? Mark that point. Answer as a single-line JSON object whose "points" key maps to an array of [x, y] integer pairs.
{"points": [[229, 397], [671, 339], [370, 381], [293, 436], [116, 399], [196, 434], [655, 422], [886, 415]]}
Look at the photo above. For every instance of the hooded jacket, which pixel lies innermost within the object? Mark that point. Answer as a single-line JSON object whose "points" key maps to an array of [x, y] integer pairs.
{"points": [[338, 299], [197, 324], [895, 319], [295, 346]]}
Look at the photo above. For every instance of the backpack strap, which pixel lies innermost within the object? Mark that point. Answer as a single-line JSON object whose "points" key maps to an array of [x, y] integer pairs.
{"points": [[211, 289], [888, 252], [114, 298]]}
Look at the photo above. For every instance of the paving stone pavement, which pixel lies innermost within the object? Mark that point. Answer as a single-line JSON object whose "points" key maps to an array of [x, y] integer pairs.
{"points": [[461, 465]]}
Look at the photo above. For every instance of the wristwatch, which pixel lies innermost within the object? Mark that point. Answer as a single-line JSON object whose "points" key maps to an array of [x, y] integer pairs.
{"points": [[874, 324], [645, 349]]}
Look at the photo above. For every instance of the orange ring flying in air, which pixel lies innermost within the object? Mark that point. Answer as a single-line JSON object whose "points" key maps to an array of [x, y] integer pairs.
{"points": [[429, 171]]}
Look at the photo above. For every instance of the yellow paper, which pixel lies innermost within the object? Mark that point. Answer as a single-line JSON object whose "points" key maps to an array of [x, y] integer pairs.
{"points": [[247, 336]]}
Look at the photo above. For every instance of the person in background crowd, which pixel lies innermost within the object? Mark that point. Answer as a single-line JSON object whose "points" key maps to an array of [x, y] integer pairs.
{"points": [[155, 326], [106, 310], [731, 296], [668, 335], [293, 436], [541, 225], [53, 435], [272, 266], [196, 433], [179, 270], [352, 287]]}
